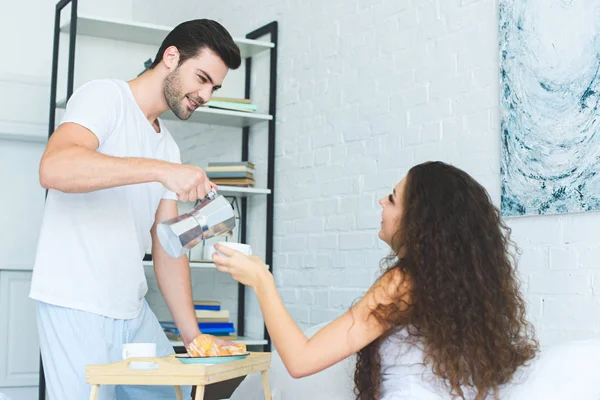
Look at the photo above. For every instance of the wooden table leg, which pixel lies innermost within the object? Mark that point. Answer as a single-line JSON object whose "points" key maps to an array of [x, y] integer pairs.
{"points": [[199, 392], [95, 391], [178, 393], [265, 382]]}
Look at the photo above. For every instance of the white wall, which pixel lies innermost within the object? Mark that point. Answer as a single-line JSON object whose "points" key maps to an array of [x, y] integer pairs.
{"points": [[366, 90]]}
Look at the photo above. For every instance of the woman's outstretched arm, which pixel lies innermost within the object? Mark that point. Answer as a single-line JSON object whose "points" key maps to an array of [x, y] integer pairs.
{"points": [[344, 336]]}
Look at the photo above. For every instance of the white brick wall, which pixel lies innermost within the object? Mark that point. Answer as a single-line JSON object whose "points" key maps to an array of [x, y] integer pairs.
{"points": [[400, 82]]}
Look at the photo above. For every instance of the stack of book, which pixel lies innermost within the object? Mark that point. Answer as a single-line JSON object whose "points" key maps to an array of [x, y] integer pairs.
{"points": [[212, 320], [231, 173], [228, 103]]}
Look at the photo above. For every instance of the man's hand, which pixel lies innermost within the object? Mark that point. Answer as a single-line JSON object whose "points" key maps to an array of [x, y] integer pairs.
{"points": [[187, 181], [211, 346], [188, 337], [217, 340]]}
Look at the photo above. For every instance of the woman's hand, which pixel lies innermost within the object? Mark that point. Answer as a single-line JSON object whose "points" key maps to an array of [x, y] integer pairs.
{"points": [[248, 270]]}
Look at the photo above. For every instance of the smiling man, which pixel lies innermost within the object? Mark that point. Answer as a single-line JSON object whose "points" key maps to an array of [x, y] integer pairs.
{"points": [[113, 170]]}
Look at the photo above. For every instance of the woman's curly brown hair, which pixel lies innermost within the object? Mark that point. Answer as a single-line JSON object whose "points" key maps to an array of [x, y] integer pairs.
{"points": [[465, 304]]}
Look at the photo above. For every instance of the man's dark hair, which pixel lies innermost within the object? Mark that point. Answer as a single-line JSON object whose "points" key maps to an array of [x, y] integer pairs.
{"points": [[191, 37]]}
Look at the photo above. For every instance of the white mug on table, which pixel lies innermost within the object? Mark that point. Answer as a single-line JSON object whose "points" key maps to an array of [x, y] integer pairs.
{"points": [[134, 350]]}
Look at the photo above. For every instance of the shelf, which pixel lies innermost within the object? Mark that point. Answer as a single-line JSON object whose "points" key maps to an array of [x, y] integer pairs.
{"points": [[212, 116], [241, 339], [215, 116], [145, 36], [24, 137], [242, 191], [23, 131], [193, 264], [143, 33]]}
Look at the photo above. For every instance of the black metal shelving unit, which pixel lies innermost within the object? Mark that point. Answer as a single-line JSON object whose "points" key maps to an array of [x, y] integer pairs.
{"points": [[270, 30]]}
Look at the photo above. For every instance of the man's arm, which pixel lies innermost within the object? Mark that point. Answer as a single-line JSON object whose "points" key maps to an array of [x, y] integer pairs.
{"points": [[71, 164], [173, 276]]}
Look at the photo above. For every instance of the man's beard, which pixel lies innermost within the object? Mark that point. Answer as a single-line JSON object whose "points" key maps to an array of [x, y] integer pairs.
{"points": [[174, 98]]}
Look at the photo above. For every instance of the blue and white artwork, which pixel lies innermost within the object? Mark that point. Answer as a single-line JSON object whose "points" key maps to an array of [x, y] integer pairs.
{"points": [[550, 89]]}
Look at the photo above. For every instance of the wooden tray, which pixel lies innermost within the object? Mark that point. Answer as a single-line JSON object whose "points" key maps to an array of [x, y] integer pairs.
{"points": [[171, 371]]}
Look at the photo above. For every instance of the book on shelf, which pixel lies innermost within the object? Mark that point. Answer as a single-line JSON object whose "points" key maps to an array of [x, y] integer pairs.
{"points": [[147, 65], [212, 328], [204, 320], [212, 320], [232, 173], [213, 331], [177, 338], [229, 174], [215, 325], [227, 337], [231, 105], [248, 164], [207, 303], [230, 163], [211, 314], [231, 99], [229, 170], [241, 182], [206, 307]]}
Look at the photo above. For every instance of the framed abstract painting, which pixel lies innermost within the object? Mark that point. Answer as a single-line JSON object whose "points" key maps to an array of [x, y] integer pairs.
{"points": [[549, 96]]}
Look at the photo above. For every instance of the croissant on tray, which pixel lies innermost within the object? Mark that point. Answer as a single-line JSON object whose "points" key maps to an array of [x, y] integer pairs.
{"points": [[206, 346]]}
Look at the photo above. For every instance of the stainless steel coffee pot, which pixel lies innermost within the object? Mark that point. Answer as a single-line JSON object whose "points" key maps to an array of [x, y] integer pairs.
{"points": [[212, 216]]}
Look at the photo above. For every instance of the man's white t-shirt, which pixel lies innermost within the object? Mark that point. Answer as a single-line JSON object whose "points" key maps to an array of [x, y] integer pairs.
{"points": [[91, 245]]}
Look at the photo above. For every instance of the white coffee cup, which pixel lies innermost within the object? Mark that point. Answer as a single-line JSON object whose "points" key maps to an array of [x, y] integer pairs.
{"points": [[134, 350], [241, 247]]}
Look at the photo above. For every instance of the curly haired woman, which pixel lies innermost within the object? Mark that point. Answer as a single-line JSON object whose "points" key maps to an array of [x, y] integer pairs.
{"points": [[445, 319]]}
